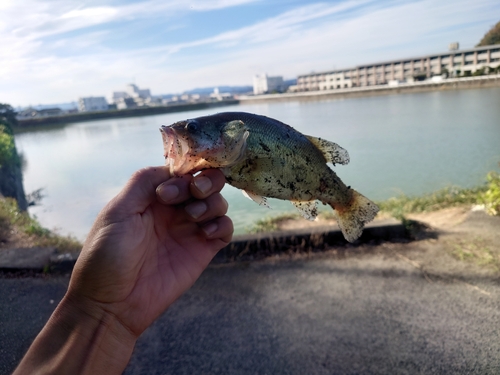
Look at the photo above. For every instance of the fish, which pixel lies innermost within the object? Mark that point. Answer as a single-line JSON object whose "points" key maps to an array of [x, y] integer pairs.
{"points": [[267, 158]]}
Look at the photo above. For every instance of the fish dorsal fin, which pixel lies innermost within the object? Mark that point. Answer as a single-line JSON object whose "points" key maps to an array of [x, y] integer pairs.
{"points": [[261, 201], [307, 209], [332, 152]]}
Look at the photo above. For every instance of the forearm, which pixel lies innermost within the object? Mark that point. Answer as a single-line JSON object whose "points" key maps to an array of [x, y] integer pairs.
{"points": [[79, 340]]}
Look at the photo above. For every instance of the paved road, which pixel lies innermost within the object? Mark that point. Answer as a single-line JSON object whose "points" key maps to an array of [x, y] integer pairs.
{"points": [[373, 312]]}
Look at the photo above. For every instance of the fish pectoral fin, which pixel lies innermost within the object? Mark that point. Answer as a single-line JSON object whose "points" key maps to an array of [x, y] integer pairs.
{"points": [[261, 201], [332, 152], [307, 209]]}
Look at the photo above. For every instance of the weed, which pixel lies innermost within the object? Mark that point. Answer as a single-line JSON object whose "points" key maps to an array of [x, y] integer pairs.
{"points": [[270, 224], [12, 217], [444, 198], [491, 197], [477, 251]]}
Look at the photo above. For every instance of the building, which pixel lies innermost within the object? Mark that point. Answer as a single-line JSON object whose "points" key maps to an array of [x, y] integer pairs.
{"points": [[141, 97], [125, 103], [263, 84], [92, 104], [134, 92], [32, 112], [452, 63]]}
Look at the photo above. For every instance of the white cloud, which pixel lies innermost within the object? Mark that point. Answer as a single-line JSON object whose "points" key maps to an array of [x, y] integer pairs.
{"points": [[42, 62]]}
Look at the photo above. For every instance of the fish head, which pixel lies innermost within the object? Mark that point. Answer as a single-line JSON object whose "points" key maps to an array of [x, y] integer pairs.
{"points": [[193, 145]]}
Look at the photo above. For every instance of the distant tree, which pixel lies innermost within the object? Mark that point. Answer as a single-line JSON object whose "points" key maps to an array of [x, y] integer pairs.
{"points": [[8, 113], [491, 37], [479, 72], [8, 152]]}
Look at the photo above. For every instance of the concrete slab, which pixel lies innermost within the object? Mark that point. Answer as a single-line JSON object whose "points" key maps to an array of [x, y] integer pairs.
{"points": [[242, 248], [34, 258]]}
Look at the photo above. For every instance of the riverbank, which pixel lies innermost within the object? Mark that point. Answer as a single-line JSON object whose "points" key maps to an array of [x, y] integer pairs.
{"points": [[19, 230], [400, 88], [133, 112]]}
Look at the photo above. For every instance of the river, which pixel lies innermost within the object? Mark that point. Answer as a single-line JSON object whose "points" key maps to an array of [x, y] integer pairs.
{"points": [[408, 143]]}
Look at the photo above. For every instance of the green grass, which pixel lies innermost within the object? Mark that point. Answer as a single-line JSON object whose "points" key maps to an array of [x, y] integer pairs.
{"points": [[491, 197], [398, 207], [478, 251], [402, 205], [11, 217], [8, 152], [270, 224]]}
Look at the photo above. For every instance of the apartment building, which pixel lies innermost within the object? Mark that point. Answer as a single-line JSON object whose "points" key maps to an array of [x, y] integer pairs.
{"points": [[263, 84], [454, 62], [91, 104]]}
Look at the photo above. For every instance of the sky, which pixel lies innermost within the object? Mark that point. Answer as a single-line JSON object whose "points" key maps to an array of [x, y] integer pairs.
{"points": [[55, 51]]}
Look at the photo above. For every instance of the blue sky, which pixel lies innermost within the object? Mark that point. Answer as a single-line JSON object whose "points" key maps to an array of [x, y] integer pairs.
{"points": [[58, 50]]}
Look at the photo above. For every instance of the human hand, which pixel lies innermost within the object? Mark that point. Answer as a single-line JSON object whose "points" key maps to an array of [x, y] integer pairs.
{"points": [[147, 246], [150, 244]]}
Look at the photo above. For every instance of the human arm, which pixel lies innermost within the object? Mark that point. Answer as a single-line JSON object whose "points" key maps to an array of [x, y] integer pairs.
{"points": [[146, 247]]}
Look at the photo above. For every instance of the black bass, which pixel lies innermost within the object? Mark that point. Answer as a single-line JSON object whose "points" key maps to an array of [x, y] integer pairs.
{"points": [[267, 158]]}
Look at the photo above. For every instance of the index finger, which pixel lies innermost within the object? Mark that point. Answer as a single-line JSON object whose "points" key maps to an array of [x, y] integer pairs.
{"points": [[206, 183], [182, 188]]}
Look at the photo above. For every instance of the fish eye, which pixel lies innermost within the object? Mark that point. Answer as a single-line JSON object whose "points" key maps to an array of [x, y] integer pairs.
{"points": [[192, 126]]}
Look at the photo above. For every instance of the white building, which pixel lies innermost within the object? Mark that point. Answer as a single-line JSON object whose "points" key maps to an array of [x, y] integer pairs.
{"points": [[218, 96], [118, 95], [134, 92], [454, 62], [140, 96], [335, 80], [263, 84], [92, 104]]}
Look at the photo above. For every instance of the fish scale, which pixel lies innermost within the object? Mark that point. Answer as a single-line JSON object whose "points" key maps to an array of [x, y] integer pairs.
{"points": [[267, 158]]}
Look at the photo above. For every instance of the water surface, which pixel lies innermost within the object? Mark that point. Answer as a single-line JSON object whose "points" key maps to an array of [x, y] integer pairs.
{"points": [[411, 144]]}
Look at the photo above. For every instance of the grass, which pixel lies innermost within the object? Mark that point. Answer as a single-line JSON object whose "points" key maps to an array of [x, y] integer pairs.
{"points": [[402, 205], [397, 207], [491, 197], [12, 218], [8, 152], [270, 224], [477, 251]]}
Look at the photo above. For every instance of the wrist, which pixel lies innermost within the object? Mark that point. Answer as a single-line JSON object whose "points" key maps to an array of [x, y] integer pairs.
{"points": [[80, 338], [107, 341]]}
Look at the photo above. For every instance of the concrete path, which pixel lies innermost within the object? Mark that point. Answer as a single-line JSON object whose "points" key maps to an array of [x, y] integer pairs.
{"points": [[375, 310]]}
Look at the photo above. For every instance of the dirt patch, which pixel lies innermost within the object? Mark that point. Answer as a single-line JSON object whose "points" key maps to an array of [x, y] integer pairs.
{"points": [[301, 223], [442, 219]]}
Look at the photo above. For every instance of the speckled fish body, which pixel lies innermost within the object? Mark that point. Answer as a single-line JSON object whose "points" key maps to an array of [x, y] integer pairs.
{"points": [[267, 158]]}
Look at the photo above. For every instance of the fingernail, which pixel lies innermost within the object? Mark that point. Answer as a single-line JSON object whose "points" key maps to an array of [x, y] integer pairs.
{"points": [[204, 184], [196, 209], [209, 229], [168, 192]]}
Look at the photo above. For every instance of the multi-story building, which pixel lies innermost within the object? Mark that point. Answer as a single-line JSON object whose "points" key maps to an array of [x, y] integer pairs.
{"points": [[135, 92], [139, 97], [453, 63], [92, 103], [263, 84]]}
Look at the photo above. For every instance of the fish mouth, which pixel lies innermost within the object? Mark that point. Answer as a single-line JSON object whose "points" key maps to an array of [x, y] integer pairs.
{"points": [[176, 149]]}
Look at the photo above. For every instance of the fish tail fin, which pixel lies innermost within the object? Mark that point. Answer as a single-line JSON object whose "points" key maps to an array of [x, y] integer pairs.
{"points": [[355, 215]]}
